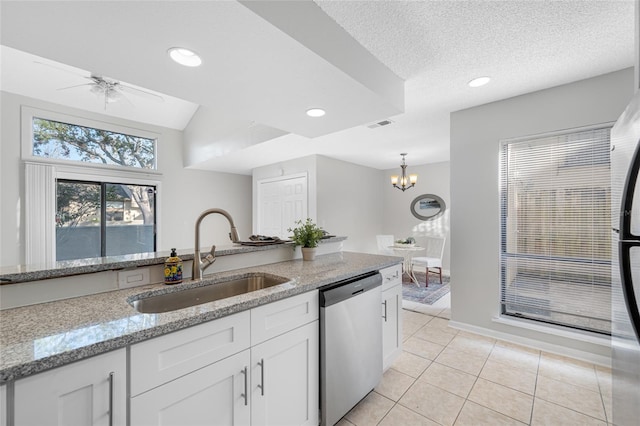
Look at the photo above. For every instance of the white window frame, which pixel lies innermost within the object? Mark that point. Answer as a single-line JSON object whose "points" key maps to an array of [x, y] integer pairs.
{"points": [[29, 113], [76, 170]]}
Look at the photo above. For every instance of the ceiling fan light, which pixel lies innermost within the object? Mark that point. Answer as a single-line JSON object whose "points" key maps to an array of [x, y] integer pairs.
{"points": [[185, 57]]}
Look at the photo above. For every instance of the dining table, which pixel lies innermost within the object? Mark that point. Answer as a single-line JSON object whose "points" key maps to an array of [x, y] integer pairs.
{"points": [[407, 252]]}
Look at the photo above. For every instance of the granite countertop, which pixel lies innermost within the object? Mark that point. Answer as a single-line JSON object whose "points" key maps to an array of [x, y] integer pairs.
{"points": [[65, 268], [39, 337]]}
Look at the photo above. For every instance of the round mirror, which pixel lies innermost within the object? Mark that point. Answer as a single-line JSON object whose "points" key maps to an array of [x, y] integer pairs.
{"points": [[428, 207]]}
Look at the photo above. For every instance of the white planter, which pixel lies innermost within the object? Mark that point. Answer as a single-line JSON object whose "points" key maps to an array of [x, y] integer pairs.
{"points": [[308, 253]]}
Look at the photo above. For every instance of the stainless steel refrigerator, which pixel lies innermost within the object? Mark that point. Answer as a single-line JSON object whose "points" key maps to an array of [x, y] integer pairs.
{"points": [[625, 265]]}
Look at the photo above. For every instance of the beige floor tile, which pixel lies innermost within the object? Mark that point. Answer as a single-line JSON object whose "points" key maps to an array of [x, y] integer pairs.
{"points": [[436, 335], [604, 379], [570, 371], [548, 414], [514, 378], [432, 402], [394, 384], [410, 364], [548, 356], [517, 347], [463, 361], [422, 348], [402, 416], [473, 414], [502, 399], [570, 396], [473, 344], [344, 422], [370, 410], [607, 400], [415, 317], [516, 358], [445, 313], [439, 323], [449, 379]]}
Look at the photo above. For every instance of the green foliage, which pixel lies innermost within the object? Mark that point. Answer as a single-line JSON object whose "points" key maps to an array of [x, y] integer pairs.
{"points": [[53, 139], [306, 234]]}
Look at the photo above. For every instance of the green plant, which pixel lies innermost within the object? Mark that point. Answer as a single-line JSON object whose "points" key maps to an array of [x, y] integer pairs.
{"points": [[306, 234]]}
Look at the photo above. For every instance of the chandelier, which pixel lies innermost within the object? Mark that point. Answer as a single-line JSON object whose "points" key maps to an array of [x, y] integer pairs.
{"points": [[405, 182]]}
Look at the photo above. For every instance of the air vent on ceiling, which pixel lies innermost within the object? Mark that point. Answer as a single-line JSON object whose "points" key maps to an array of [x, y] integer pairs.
{"points": [[380, 124]]}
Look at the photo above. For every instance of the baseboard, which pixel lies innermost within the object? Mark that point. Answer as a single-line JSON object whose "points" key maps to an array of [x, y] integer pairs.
{"points": [[597, 359]]}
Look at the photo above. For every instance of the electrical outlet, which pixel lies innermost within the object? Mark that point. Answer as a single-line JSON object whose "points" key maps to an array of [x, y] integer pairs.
{"points": [[133, 278]]}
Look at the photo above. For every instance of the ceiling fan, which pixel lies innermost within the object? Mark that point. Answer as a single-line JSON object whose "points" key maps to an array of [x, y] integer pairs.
{"points": [[108, 89]]}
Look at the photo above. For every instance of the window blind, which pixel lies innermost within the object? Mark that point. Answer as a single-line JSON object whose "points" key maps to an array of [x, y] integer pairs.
{"points": [[555, 194]]}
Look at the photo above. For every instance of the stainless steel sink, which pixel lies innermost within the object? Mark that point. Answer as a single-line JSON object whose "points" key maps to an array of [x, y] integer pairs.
{"points": [[180, 299]]}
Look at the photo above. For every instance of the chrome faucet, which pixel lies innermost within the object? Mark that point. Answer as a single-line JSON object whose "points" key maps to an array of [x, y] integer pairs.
{"points": [[199, 265]]}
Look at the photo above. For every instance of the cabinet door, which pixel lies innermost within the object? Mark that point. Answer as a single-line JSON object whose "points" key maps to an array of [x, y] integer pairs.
{"points": [[77, 394], [217, 394], [285, 379], [391, 325]]}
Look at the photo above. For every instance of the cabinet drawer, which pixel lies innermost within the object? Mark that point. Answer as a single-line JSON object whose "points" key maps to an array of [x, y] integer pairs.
{"points": [[391, 276], [168, 357], [275, 318]]}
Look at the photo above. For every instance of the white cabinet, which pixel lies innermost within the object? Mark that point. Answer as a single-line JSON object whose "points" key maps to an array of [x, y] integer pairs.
{"points": [[285, 378], [258, 367], [88, 392], [391, 315], [214, 395]]}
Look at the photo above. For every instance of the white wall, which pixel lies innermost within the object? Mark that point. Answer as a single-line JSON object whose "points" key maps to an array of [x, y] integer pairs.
{"points": [[397, 217], [184, 193], [475, 233], [349, 202]]}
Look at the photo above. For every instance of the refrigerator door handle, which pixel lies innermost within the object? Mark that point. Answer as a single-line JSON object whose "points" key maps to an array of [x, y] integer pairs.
{"points": [[627, 284], [627, 197]]}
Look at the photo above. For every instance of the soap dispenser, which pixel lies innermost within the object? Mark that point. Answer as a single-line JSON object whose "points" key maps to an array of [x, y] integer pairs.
{"points": [[173, 269]]}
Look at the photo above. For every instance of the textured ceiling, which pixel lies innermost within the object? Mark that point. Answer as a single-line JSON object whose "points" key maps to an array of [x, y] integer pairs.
{"points": [[435, 46]]}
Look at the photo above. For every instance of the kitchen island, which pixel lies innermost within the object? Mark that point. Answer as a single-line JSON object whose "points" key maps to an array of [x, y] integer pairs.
{"points": [[44, 336]]}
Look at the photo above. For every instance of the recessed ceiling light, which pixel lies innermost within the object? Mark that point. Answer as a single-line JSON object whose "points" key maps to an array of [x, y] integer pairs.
{"points": [[316, 112], [185, 57], [480, 81]]}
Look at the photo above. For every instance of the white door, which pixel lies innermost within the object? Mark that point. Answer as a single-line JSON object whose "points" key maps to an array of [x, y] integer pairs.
{"points": [[281, 202], [77, 394], [213, 395], [285, 379]]}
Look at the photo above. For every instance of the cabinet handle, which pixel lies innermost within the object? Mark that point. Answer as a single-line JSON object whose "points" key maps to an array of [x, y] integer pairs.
{"points": [[245, 395], [111, 376], [385, 311], [261, 385]]}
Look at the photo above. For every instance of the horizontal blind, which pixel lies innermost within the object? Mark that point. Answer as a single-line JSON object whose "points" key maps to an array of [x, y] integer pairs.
{"points": [[555, 196]]}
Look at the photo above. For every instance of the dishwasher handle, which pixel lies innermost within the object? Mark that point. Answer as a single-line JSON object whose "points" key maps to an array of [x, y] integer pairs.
{"points": [[343, 290]]}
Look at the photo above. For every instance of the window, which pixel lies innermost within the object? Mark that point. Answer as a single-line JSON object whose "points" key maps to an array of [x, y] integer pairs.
{"points": [[555, 229], [57, 140], [96, 219], [91, 187]]}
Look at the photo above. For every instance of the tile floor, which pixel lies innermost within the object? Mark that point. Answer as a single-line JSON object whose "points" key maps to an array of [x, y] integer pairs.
{"points": [[450, 377]]}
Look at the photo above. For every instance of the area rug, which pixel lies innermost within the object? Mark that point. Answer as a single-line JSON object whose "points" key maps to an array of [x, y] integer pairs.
{"points": [[428, 295]]}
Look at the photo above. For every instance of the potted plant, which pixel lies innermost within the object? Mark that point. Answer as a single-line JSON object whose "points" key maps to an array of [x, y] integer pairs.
{"points": [[307, 235]]}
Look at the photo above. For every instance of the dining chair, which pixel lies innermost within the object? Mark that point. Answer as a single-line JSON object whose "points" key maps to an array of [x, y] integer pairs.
{"points": [[384, 244], [433, 259]]}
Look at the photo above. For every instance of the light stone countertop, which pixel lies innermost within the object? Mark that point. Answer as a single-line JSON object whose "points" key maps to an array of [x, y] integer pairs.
{"points": [[39, 337], [64, 268]]}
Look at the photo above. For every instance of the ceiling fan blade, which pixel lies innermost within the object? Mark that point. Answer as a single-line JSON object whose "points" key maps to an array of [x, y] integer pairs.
{"points": [[77, 85], [141, 93], [60, 69]]}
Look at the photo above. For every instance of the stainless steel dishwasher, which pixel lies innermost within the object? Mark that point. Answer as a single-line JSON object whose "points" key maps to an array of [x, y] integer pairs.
{"points": [[350, 343]]}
